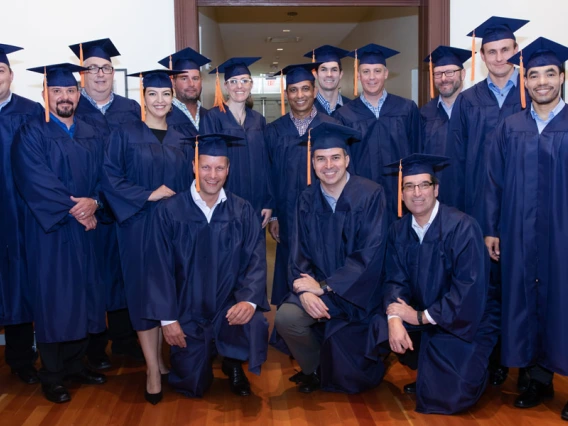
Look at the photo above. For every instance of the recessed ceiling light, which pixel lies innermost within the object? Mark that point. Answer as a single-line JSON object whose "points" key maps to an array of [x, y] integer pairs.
{"points": [[285, 31], [280, 48], [275, 63]]}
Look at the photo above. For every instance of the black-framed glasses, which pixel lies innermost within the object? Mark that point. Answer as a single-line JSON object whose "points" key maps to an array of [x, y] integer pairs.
{"points": [[243, 81], [409, 187], [448, 73], [106, 69]]}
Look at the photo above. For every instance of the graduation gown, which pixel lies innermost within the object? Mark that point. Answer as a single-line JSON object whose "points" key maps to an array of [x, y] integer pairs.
{"points": [[448, 274], [321, 108], [249, 176], [14, 306], [65, 287], [288, 159], [121, 111], [346, 249], [196, 272], [180, 122], [527, 208], [394, 135], [136, 164]]}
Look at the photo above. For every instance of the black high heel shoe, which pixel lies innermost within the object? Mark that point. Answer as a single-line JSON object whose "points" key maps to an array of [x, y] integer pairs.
{"points": [[153, 398]]}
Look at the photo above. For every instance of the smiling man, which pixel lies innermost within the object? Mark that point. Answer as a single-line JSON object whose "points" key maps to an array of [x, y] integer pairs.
{"points": [[525, 224], [336, 259]]}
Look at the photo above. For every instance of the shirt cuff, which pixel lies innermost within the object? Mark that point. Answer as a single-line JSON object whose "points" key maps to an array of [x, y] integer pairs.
{"points": [[392, 316], [430, 320], [167, 322], [253, 305]]}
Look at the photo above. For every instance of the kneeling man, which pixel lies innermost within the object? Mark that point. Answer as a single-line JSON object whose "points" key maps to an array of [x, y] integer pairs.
{"points": [[207, 277]]}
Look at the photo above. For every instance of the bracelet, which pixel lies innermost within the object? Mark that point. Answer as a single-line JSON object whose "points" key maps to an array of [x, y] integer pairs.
{"points": [[272, 219], [419, 316]]}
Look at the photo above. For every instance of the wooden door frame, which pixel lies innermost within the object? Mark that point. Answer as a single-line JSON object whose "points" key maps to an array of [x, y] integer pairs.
{"points": [[433, 23]]}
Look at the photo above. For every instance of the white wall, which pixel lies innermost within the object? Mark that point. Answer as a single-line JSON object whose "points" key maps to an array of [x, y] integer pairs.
{"points": [[143, 33], [211, 47], [548, 19]]}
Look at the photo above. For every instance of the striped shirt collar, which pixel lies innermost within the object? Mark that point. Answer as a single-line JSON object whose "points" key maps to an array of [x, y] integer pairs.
{"points": [[102, 108]]}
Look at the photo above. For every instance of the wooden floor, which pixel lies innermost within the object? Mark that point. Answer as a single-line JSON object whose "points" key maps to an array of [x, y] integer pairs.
{"points": [[275, 402]]}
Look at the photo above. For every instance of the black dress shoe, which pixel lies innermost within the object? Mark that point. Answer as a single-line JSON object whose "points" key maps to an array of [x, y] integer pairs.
{"points": [[129, 348], [410, 388], [87, 377], [298, 377], [310, 383], [101, 362], [534, 395], [153, 398], [497, 376], [523, 380], [564, 412], [238, 382], [55, 393], [26, 374]]}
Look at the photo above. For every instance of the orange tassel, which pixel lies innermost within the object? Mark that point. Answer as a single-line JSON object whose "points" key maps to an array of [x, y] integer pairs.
{"points": [[355, 77], [400, 189], [282, 104], [81, 63], [309, 156], [473, 56], [522, 83], [313, 55], [142, 103], [431, 78], [171, 66], [196, 161], [45, 95], [219, 102]]}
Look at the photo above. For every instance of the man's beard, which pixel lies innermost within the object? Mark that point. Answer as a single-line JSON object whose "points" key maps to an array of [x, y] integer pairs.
{"points": [[65, 113], [187, 99]]}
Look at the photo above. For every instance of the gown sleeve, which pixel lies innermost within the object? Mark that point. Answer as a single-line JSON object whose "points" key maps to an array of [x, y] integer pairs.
{"points": [[494, 182]]}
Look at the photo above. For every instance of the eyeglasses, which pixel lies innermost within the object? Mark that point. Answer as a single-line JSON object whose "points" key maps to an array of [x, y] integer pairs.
{"points": [[106, 69], [243, 81], [449, 73], [409, 187]]}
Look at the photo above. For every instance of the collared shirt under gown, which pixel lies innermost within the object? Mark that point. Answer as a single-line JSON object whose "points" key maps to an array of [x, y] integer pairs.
{"points": [[14, 306], [527, 208], [392, 136], [322, 109], [447, 274], [136, 164], [64, 282], [181, 122], [196, 272], [346, 249], [288, 158], [120, 111]]}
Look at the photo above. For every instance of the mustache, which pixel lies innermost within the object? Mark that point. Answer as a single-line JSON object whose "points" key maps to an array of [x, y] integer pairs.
{"points": [[64, 102]]}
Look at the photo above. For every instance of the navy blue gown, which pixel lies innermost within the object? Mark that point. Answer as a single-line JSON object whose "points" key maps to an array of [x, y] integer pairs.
{"points": [[321, 109], [448, 274], [249, 175], [196, 272], [136, 164], [65, 287], [14, 307], [526, 208], [177, 120], [346, 249], [121, 111], [288, 158], [394, 135]]}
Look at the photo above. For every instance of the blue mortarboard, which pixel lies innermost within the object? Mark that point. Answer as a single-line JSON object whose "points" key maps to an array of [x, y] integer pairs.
{"points": [[235, 66], [330, 135], [416, 164], [59, 74], [185, 59], [159, 78], [6, 49], [327, 53], [497, 28], [541, 52], [299, 72], [102, 48], [447, 55], [215, 144], [373, 54]]}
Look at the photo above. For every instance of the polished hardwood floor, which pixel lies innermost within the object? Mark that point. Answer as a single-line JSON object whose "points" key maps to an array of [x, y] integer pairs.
{"points": [[275, 402]]}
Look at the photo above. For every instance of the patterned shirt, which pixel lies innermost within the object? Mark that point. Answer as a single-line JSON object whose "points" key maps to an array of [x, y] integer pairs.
{"points": [[324, 103], [102, 108], [375, 110], [302, 124], [501, 94], [183, 108], [6, 102]]}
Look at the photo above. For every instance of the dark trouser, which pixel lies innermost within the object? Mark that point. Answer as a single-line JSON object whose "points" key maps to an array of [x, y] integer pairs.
{"points": [[540, 374], [19, 351], [410, 358], [60, 359], [119, 330]]}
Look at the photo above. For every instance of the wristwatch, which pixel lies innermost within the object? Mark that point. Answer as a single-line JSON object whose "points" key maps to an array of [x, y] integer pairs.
{"points": [[419, 315], [98, 204], [326, 289]]}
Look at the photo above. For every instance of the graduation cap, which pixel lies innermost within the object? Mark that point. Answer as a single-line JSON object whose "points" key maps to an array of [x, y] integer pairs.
{"points": [[159, 78], [445, 55], [369, 54], [295, 74], [494, 29], [325, 136], [60, 75], [185, 59], [415, 164], [327, 53], [6, 49], [231, 67], [539, 53], [102, 48], [213, 144]]}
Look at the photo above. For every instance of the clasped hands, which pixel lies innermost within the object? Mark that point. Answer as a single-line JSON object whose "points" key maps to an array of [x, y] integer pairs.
{"points": [[84, 212], [311, 302]]}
